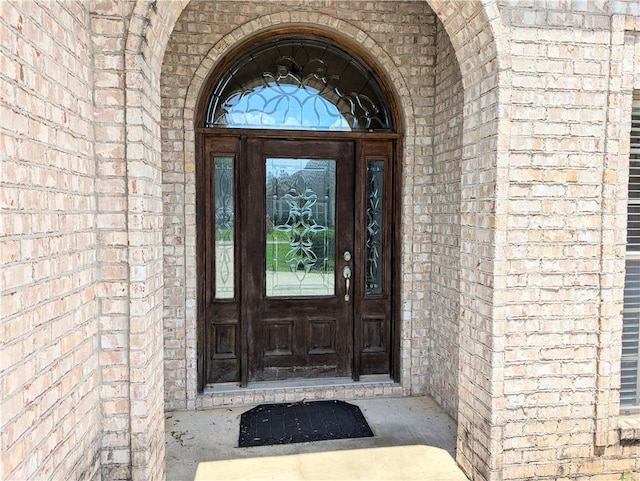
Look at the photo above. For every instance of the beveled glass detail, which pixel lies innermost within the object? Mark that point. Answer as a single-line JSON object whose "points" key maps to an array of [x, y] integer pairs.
{"points": [[224, 227], [299, 84], [300, 225], [374, 227]]}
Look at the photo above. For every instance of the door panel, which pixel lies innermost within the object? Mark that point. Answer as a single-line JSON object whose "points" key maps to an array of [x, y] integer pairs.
{"points": [[322, 336], [277, 337]]}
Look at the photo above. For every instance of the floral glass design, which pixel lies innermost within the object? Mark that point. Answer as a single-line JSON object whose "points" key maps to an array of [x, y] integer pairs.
{"points": [[300, 227], [299, 85], [374, 244], [224, 223]]}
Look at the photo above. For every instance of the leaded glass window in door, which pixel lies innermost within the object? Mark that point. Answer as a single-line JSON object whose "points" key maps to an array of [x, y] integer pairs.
{"points": [[300, 226], [224, 218]]}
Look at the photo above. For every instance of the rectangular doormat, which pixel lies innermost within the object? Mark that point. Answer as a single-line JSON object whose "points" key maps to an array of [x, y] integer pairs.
{"points": [[287, 423]]}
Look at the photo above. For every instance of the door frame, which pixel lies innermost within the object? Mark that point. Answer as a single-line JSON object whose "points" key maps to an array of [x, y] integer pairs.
{"points": [[202, 239]]}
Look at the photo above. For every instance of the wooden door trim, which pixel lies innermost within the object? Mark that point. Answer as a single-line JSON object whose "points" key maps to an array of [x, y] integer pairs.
{"points": [[396, 263], [296, 134], [200, 268]]}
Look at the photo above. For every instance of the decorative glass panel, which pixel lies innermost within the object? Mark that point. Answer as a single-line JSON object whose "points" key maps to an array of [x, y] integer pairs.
{"points": [[224, 222], [299, 84], [300, 227], [374, 230]]}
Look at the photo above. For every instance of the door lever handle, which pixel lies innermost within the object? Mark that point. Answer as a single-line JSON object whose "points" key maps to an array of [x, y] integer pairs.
{"points": [[346, 273]]}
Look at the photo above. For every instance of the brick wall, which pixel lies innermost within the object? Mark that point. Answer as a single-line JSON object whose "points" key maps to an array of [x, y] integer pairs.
{"points": [[49, 377], [565, 227], [108, 36], [478, 40], [444, 203], [552, 247], [144, 51], [129, 39], [81, 373]]}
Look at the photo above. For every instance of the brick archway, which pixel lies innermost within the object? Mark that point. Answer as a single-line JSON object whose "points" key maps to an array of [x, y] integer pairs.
{"points": [[474, 30], [185, 122]]}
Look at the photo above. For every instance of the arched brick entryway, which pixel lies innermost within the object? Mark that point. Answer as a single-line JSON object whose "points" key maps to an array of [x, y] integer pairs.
{"points": [[471, 28]]}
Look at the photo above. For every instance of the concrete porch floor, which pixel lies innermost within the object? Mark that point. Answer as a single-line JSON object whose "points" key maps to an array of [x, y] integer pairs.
{"points": [[414, 439]]}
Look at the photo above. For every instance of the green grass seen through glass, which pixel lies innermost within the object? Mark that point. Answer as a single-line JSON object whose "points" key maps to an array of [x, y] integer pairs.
{"points": [[278, 247]]}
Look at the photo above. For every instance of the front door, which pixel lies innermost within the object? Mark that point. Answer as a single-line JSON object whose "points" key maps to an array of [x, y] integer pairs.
{"points": [[299, 231], [297, 258]]}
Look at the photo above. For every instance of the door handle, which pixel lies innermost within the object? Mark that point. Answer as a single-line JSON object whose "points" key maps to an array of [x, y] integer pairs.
{"points": [[346, 273]]}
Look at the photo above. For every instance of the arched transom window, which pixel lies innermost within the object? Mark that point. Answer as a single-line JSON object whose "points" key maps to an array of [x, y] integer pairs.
{"points": [[299, 84]]}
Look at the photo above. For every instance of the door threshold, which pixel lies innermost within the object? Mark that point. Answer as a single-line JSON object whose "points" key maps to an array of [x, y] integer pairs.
{"points": [[298, 383], [295, 390]]}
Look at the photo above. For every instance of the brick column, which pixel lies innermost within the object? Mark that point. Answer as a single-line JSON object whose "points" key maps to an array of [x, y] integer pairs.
{"points": [[108, 34], [143, 61], [481, 49]]}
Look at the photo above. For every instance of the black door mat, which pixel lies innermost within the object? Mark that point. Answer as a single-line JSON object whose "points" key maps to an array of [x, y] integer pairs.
{"points": [[301, 422]]}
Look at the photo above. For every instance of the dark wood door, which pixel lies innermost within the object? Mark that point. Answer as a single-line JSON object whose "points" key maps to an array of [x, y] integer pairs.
{"points": [[298, 225], [295, 243]]}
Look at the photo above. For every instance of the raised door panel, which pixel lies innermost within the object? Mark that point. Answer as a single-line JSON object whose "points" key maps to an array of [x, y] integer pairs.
{"points": [[322, 336], [277, 338]]}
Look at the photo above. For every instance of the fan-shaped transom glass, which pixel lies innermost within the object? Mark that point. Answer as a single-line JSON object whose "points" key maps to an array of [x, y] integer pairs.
{"points": [[299, 84]]}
